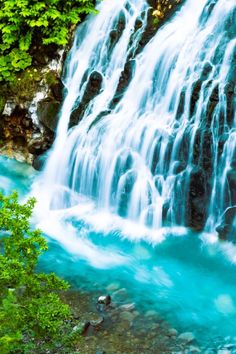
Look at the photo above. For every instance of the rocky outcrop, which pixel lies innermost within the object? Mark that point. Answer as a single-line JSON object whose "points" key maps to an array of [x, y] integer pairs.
{"points": [[29, 110]]}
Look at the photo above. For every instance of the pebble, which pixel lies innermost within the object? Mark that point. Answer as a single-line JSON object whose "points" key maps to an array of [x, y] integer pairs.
{"points": [[127, 316], [106, 300], [172, 332], [194, 349], [103, 302], [151, 313], [96, 321], [112, 287], [120, 295], [127, 307], [187, 337], [81, 327], [229, 346]]}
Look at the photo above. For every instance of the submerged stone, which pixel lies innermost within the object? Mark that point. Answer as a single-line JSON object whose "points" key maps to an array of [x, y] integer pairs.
{"points": [[187, 337]]}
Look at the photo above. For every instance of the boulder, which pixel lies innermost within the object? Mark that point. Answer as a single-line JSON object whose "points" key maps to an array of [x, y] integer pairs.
{"points": [[48, 113]]}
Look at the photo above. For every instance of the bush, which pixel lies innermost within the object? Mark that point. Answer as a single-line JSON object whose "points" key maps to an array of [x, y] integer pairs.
{"points": [[31, 311], [26, 22]]}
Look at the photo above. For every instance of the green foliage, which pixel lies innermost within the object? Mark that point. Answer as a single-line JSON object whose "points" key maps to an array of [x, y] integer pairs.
{"points": [[26, 22], [30, 307]]}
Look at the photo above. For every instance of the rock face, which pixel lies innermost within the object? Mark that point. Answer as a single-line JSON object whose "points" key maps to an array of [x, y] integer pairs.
{"points": [[29, 112]]}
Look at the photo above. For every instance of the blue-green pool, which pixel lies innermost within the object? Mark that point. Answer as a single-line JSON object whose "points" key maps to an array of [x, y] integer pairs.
{"points": [[189, 279]]}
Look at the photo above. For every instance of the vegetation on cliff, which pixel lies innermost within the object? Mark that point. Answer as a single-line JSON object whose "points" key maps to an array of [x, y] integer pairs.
{"points": [[27, 23]]}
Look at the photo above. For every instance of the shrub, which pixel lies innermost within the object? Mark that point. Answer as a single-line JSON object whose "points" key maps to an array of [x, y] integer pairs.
{"points": [[30, 307], [26, 22]]}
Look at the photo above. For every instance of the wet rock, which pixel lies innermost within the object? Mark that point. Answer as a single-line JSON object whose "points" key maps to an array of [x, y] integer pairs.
{"points": [[47, 111], [39, 162], [179, 167], [172, 332], [113, 287], [96, 321], [231, 178], [127, 307], [124, 80], [127, 316], [37, 146], [120, 295], [103, 302], [9, 108], [57, 89], [194, 349], [106, 300], [186, 337], [151, 313], [92, 89], [227, 228], [81, 327], [198, 198], [196, 89]]}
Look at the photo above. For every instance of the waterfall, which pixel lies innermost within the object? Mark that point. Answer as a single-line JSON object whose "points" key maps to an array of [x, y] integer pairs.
{"points": [[161, 151]]}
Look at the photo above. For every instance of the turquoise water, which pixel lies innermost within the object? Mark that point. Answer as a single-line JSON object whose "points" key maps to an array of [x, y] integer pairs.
{"points": [[188, 279], [15, 176]]}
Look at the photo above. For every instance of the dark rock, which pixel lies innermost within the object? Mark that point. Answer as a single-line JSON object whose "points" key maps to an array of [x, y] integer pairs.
{"points": [[37, 146], [179, 166], [96, 321], [39, 162], [124, 80], [57, 89], [196, 89], [106, 300], [82, 327], [103, 302], [117, 32], [198, 199], [227, 228], [231, 179], [206, 70], [92, 89], [48, 111]]}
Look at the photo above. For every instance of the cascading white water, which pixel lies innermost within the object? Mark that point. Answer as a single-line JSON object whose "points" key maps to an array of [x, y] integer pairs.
{"points": [[170, 141]]}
